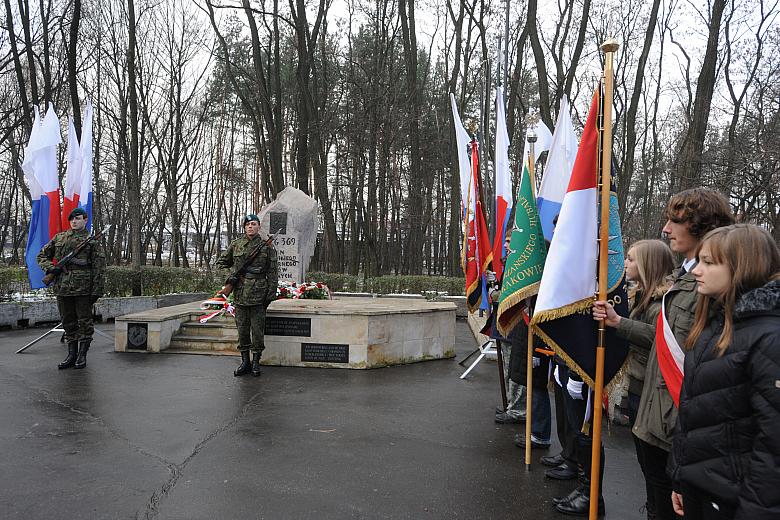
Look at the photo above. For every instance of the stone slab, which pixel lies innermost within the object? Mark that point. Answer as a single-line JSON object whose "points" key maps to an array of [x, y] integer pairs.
{"points": [[377, 331]]}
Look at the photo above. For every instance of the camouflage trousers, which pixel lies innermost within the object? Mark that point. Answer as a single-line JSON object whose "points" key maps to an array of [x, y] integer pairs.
{"points": [[250, 322], [76, 316]]}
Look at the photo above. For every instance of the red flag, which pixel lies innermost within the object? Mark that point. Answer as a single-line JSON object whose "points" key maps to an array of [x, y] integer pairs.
{"points": [[477, 244]]}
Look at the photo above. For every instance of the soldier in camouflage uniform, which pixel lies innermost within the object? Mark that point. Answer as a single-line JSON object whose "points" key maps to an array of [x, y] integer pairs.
{"points": [[254, 290], [77, 285]]}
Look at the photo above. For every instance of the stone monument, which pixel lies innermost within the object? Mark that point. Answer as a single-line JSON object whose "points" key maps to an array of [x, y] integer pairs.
{"points": [[294, 215]]}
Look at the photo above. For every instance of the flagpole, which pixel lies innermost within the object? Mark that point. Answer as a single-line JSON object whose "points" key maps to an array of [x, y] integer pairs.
{"points": [[609, 47], [530, 354]]}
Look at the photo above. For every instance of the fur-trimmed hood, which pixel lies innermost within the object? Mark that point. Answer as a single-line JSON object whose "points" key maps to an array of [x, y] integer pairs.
{"points": [[763, 300]]}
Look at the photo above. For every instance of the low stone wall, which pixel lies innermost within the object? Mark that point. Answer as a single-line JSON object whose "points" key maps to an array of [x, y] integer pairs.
{"points": [[28, 314]]}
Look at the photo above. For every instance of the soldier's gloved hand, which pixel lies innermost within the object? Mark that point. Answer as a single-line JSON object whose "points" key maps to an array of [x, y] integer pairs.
{"points": [[536, 361], [54, 271]]}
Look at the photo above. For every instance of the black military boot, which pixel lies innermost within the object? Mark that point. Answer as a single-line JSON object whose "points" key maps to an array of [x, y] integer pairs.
{"points": [[256, 363], [81, 357], [69, 361], [245, 366]]}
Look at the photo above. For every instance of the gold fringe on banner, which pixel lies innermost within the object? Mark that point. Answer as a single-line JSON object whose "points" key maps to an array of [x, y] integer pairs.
{"points": [[511, 301], [561, 312], [574, 366]]}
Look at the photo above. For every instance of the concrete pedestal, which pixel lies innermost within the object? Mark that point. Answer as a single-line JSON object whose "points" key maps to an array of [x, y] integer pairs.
{"points": [[343, 333]]}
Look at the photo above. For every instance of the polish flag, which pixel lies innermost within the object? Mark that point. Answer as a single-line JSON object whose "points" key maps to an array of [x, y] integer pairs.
{"points": [[40, 173], [562, 315], [503, 184], [78, 173]]}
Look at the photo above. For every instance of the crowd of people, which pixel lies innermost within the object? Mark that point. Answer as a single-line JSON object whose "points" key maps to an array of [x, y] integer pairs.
{"points": [[703, 373]]}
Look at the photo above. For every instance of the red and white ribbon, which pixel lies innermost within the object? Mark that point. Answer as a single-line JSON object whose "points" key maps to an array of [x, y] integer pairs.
{"points": [[213, 302], [670, 355]]}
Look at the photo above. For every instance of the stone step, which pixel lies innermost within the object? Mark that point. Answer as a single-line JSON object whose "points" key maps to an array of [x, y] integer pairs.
{"points": [[203, 330], [201, 352], [198, 343]]}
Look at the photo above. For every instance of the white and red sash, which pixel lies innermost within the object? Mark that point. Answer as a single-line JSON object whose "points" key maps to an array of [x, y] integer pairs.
{"points": [[670, 356]]}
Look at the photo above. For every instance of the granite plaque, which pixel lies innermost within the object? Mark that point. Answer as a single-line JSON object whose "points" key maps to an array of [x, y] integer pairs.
{"points": [[278, 222], [283, 326], [137, 335], [325, 352]]}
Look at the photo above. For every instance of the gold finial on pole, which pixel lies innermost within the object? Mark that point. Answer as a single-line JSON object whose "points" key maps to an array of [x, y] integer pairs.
{"points": [[610, 45], [472, 127]]}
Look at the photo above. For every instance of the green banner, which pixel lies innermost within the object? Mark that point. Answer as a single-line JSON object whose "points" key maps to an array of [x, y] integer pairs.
{"points": [[524, 260]]}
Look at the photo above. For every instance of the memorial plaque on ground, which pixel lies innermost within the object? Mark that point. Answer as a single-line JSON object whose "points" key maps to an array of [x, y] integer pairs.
{"points": [[284, 326], [324, 353], [295, 214]]}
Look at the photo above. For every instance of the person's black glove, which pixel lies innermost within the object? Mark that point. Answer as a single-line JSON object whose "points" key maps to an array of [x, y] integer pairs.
{"points": [[54, 271], [95, 298]]}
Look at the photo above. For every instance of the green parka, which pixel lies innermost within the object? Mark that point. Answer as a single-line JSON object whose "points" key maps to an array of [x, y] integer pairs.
{"points": [[657, 415], [639, 351]]}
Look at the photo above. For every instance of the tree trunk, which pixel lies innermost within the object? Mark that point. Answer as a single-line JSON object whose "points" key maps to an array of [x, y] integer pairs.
{"points": [[689, 162]]}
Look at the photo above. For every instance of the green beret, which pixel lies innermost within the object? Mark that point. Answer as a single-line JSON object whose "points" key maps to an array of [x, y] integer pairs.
{"points": [[251, 217], [76, 212]]}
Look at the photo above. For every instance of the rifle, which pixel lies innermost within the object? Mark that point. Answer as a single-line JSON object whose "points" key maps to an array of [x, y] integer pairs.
{"points": [[232, 280], [65, 260]]}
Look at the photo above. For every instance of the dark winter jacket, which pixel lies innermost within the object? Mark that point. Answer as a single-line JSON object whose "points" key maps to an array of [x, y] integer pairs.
{"points": [[518, 359], [727, 441]]}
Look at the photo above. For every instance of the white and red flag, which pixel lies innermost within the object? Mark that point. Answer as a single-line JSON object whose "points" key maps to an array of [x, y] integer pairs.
{"points": [[562, 315], [78, 172], [40, 172], [503, 184]]}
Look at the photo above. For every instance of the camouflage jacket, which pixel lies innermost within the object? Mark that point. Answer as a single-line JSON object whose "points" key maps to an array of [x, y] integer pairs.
{"points": [[257, 286], [85, 274]]}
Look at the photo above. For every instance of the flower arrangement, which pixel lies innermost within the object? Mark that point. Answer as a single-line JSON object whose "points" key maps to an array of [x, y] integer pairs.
{"points": [[217, 305], [307, 290]]}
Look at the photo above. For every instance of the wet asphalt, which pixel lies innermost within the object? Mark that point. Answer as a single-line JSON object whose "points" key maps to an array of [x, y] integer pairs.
{"points": [[159, 436]]}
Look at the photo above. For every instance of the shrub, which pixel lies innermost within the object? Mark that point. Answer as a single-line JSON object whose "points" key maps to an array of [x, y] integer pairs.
{"points": [[13, 280], [166, 280], [160, 280]]}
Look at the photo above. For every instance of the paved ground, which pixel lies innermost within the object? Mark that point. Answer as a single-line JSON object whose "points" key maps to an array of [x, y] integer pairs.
{"points": [[178, 437]]}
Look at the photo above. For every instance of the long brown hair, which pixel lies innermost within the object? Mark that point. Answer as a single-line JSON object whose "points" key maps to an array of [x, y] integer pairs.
{"points": [[654, 261], [751, 255]]}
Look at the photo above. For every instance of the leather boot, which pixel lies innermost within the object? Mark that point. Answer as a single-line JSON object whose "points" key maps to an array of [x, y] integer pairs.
{"points": [[81, 356], [245, 365], [256, 364], [73, 348]]}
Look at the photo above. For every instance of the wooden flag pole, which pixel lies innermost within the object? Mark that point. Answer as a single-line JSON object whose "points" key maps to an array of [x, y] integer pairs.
{"points": [[609, 47], [530, 353]]}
